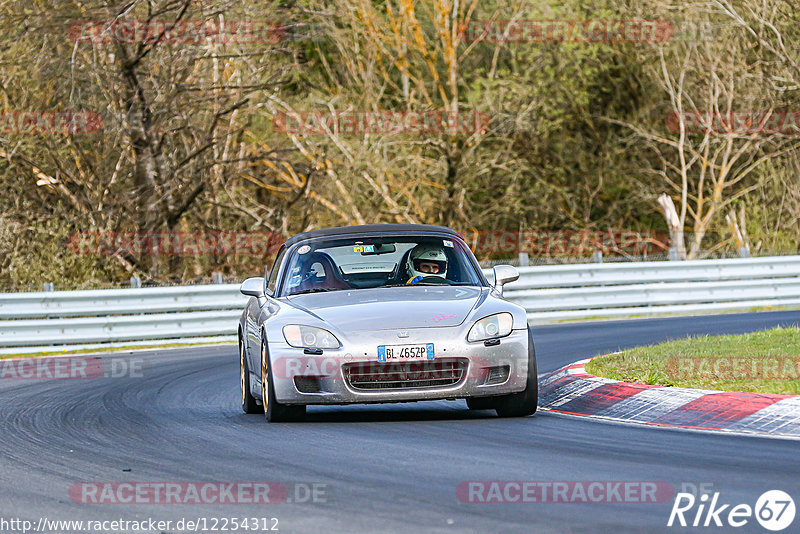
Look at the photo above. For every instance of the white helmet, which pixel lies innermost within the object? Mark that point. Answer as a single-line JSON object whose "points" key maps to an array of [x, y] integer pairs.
{"points": [[426, 260]]}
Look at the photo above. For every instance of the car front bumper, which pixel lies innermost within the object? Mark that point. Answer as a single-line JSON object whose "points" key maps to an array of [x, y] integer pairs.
{"points": [[460, 369]]}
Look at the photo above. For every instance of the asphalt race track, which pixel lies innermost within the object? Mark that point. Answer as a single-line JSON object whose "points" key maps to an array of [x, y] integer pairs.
{"points": [[388, 468]]}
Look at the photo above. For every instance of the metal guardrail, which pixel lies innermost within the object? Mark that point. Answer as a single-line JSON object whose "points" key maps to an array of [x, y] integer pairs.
{"points": [[31, 321], [597, 274], [87, 303], [160, 314], [564, 292]]}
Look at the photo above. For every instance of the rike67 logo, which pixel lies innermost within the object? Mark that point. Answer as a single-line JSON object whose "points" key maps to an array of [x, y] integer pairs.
{"points": [[774, 510]]}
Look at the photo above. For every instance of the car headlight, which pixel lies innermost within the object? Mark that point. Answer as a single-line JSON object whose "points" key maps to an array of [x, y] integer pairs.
{"points": [[309, 337], [497, 325]]}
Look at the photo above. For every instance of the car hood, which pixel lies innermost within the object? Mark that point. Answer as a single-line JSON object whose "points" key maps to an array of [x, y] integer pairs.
{"points": [[390, 307]]}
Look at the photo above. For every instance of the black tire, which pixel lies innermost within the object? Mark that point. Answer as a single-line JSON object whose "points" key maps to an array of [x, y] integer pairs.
{"points": [[249, 404], [273, 410], [526, 401]]}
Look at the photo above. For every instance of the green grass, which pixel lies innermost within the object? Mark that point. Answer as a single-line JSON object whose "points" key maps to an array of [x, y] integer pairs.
{"points": [[765, 362], [107, 349]]}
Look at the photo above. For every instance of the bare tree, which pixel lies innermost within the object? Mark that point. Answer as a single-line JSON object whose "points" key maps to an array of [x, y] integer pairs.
{"points": [[718, 133], [176, 99]]}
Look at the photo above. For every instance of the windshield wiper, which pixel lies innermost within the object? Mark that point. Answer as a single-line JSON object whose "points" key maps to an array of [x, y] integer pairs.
{"points": [[412, 285], [313, 290]]}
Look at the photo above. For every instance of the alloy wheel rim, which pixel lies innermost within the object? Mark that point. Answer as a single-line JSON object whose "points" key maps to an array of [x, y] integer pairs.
{"points": [[241, 371]]}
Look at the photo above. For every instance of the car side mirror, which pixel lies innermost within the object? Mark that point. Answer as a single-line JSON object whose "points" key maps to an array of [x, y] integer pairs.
{"points": [[253, 287], [504, 274]]}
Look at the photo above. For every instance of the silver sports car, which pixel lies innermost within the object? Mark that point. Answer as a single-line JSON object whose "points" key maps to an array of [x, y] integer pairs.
{"points": [[383, 313]]}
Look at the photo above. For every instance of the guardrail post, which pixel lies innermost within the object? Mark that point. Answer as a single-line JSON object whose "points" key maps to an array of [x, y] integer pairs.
{"points": [[597, 256], [524, 259], [673, 254], [136, 282], [744, 252], [216, 278], [48, 286]]}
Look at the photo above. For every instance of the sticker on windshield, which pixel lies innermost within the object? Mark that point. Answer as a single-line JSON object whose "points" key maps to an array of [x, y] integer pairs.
{"points": [[364, 248], [447, 243], [304, 249]]}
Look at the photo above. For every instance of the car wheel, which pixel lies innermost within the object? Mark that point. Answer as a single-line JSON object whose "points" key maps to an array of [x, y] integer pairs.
{"points": [[273, 410], [249, 404], [526, 401]]}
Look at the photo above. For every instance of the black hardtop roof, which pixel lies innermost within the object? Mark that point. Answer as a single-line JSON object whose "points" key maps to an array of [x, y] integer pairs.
{"points": [[376, 229]]}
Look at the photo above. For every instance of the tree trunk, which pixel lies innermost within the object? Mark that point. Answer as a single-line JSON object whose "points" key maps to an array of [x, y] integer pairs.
{"points": [[673, 224]]}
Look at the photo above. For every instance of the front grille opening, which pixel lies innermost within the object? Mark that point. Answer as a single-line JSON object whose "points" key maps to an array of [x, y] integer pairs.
{"points": [[307, 384], [368, 376], [498, 375]]}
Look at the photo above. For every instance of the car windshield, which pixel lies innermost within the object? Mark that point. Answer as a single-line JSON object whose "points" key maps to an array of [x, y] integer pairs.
{"points": [[370, 262]]}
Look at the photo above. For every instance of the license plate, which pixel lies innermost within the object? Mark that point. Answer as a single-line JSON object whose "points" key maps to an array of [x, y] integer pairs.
{"points": [[405, 353]]}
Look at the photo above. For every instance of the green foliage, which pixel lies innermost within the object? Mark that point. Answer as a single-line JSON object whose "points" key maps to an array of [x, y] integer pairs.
{"points": [[560, 152]]}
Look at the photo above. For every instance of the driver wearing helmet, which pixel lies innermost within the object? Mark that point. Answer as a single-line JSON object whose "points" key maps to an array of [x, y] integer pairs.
{"points": [[426, 260]]}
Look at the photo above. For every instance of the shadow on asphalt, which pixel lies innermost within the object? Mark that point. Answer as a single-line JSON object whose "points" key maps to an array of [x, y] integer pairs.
{"points": [[381, 414], [367, 414]]}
